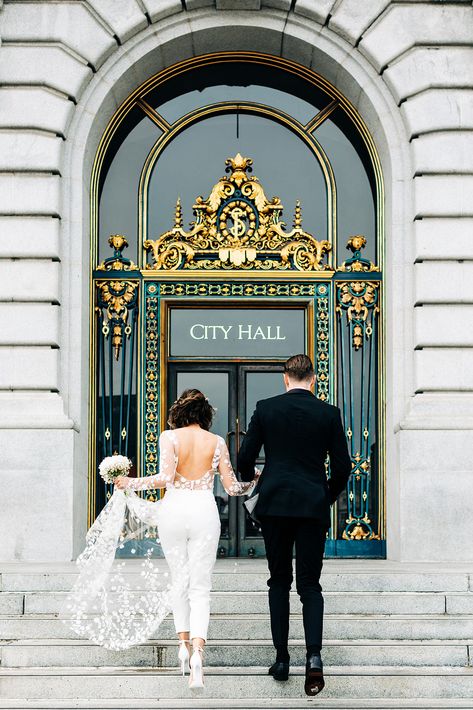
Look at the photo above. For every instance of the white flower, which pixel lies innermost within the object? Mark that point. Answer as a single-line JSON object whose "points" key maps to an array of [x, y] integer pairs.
{"points": [[113, 466]]}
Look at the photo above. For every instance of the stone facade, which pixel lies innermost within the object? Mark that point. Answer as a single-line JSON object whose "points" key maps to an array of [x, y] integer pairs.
{"points": [[65, 66]]}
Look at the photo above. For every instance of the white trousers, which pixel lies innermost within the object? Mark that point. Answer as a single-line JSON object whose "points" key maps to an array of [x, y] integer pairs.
{"points": [[189, 530]]}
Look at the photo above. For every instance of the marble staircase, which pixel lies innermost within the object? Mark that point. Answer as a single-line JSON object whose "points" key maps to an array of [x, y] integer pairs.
{"points": [[396, 636]]}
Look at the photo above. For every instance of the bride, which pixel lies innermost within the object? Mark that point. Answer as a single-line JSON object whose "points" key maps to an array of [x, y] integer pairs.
{"points": [[187, 520]]}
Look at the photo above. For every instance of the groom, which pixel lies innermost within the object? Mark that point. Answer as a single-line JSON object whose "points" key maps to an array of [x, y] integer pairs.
{"points": [[297, 431]]}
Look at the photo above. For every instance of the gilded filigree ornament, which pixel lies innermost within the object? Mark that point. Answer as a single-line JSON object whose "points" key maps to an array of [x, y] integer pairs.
{"points": [[358, 299], [322, 356], [357, 263], [117, 298], [359, 529], [237, 227], [117, 262]]}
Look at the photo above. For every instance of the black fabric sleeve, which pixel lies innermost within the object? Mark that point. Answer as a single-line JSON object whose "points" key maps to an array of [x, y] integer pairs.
{"points": [[250, 448], [340, 461]]}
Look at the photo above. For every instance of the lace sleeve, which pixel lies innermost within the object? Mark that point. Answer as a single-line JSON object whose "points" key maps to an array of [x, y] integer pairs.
{"points": [[227, 475], [167, 466]]}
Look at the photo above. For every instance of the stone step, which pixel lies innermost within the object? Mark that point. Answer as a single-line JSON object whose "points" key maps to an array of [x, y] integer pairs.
{"points": [[223, 683], [251, 575], [53, 652], [204, 703], [12, 603], [256, 626]]}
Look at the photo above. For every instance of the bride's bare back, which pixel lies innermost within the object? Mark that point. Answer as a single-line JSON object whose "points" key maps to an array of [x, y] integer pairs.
{"points": [[195, 451]]}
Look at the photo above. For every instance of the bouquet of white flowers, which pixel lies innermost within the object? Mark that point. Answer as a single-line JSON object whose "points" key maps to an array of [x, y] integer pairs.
{"points": [[114, 466]]}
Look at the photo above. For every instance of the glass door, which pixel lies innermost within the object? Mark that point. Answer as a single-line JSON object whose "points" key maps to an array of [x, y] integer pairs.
{"points": [[233, 389]]}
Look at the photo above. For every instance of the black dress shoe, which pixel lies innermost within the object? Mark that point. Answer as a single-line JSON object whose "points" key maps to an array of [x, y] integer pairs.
{"points": [[314, 675], [279, 671]]}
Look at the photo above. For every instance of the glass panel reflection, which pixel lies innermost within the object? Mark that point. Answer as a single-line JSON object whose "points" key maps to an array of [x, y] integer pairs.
{"points": [[238, 81], [356, 192], [118, 205]]}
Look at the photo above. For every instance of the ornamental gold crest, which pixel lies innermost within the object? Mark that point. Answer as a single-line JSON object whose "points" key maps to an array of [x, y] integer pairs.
{"points": [[237, 227]]}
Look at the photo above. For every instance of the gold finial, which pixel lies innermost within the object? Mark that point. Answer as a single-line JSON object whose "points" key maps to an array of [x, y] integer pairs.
{"points": [[356, 243], [118, 242], [178, 213], [238, 166], [298, 215]]}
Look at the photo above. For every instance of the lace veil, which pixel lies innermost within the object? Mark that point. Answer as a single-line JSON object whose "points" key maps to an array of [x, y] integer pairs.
{"points": [[117, 603]]}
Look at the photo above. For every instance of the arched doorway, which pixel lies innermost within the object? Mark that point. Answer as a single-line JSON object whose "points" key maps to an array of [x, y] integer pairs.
{"points": [[160, 307]]}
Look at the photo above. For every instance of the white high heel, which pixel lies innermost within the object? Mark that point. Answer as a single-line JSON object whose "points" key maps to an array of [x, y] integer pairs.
{"points": [[196, 678], [183, 656]]}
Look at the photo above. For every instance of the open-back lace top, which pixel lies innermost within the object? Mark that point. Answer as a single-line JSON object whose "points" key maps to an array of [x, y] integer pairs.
{"points": [[168, 477]]}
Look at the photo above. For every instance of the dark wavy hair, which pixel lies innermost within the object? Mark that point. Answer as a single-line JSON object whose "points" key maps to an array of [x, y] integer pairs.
{"points": [[192, 407]]}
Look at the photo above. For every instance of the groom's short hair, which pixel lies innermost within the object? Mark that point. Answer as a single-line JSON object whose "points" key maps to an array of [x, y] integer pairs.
{"points": [[299, 367]]}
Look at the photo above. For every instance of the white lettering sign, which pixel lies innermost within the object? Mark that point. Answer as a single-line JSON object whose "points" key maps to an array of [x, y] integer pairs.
{"points": [[199, 331]]}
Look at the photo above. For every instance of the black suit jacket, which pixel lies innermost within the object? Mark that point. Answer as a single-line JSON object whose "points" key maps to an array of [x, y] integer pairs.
{"points": [[297, 431]]}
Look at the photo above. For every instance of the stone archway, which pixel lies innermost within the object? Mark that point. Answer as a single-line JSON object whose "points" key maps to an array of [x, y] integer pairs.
{"points": [[188, 35]]}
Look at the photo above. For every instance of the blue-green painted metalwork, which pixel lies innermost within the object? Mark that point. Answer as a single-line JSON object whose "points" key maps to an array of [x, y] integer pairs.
{"points": [[116, 310]]}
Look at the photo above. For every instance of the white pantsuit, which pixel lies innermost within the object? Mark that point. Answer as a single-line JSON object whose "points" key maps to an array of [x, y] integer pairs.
{"points": [[189, 529]]}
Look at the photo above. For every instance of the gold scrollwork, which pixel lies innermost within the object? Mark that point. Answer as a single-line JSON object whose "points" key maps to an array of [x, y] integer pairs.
{"points": [[237, 227], [117, 297], [358, 298], [359, 529]]}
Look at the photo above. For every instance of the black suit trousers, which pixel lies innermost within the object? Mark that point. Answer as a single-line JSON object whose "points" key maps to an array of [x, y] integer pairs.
{"points": [[280, 534]]}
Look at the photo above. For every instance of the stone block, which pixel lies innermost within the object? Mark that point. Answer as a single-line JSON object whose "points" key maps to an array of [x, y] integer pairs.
{"points": [[460, 603], [29, 324], [34, 107], [29, 368], [430, 67], [30, 151], [434, 452], [350, 18], [197, 4], [71, 23], [435, 504], [443, 238], [444, 326], [29, 280], [46, 65], [159, 9], [447, 152], [284, 5], [245, 32], [317, 10], [405, 25], [29, 237], [444, 282], [441, 369], [125, 17], [33, 409], [240, 5], [24, 193], [438, 110], [449, 196], [37, 465], [10, 604]]}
